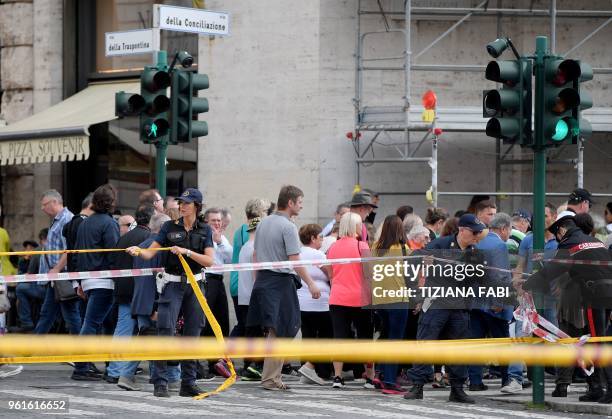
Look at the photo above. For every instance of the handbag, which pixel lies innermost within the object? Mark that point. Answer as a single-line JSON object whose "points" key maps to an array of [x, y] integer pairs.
{"points": [[63, 290]]}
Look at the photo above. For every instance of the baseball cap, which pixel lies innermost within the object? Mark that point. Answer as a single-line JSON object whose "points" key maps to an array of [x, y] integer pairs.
{"points": [[362, 198], [580, 195], [470, 221], [190, 195], [523, 213]]}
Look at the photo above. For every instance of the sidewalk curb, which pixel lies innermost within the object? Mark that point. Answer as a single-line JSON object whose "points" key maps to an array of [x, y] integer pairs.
{"points": [[571, 407]]}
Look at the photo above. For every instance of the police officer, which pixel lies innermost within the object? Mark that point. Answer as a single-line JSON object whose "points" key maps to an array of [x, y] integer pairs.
{"points": [[594, 283], [191, 237], [445, 318]]}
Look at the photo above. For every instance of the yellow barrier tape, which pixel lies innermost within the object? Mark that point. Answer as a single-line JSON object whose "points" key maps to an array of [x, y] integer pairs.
{"points": [[96, 348], [215, 327]]}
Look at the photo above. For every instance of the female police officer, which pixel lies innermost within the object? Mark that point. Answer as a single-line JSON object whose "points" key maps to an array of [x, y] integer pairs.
{"points": [[192, 238]]}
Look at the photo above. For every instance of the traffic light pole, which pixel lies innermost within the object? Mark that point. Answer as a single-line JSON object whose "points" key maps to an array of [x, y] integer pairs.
{"points": [[162, 144], [539, 186]]}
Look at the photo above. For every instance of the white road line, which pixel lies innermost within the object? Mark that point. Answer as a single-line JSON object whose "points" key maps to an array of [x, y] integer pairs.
{"points": [[71, 411], [213, 402], [443, 412], [118, 404], [519, 413], [336, 408]]}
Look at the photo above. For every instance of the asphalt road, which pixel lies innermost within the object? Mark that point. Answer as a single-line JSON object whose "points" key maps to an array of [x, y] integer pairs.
{"points": [[100, 399]]}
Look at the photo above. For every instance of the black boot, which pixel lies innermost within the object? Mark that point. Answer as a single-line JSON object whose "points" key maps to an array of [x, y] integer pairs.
{"points": [[595, 390], [458, 395], [415, 393], [607, 397], [560, 390]]}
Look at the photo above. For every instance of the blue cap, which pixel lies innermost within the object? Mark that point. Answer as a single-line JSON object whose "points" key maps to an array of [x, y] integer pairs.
{"points": [[470, 221], [523, 213], [190, 195]]}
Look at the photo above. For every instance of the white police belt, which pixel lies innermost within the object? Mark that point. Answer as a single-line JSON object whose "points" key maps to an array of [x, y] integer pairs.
{"points": [[162, 278]]}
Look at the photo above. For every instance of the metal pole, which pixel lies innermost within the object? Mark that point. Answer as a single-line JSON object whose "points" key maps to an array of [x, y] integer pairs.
{"points": [[358, 89], [162, 144], [434, 170], [539, 186], [407, 71], [580, 164], [553, 26]]}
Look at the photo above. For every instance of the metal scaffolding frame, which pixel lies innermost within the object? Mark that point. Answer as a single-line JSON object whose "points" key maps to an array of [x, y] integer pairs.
{"points": [[393, 122]]}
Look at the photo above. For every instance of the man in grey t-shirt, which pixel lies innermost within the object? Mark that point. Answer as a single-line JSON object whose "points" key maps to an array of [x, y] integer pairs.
{"points": [[274, 305]]}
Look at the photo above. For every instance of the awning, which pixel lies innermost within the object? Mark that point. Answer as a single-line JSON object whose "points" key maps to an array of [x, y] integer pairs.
{"points": [[61, 132]]}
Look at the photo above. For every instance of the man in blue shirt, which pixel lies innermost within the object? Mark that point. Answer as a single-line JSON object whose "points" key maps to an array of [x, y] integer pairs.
{"points": [[52, 204]]}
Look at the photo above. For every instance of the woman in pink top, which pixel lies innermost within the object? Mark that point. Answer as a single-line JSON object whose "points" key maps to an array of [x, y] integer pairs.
{"points": [[350, 292]]}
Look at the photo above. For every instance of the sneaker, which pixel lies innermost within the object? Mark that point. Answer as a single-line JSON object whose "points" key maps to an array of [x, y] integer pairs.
{"points": [[139, 371], [512, 387], [207, 376], [222, 369], [369, 384], [338, 382], [94, 369], [85, 376], [7, 370], [110, 379], [255, 370], [190, 390], [174, 386], [276, 387], [128, 383], [311, 374], [160, 391], [289, 370], [248, 375], [378, 384], [392, 389], [478, 387]]}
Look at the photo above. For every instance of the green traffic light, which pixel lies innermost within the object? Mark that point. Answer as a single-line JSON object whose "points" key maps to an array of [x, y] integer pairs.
{"points": [[153, 131], [561, 130]]}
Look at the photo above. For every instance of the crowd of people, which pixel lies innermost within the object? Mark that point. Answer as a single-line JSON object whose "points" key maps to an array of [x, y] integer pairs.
{"points": [[329, 301]]}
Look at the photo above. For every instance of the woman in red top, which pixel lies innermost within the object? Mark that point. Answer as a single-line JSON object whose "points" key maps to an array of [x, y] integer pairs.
{"points": [[350, 292]]}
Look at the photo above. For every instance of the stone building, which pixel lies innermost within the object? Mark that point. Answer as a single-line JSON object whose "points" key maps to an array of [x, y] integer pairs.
{"points": [[283, 98]]}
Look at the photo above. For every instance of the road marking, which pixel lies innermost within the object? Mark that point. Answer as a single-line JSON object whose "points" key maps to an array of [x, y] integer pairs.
{"points": [[214, 402], [336, 408], [444, 412], [106, 403], [510, 412]]}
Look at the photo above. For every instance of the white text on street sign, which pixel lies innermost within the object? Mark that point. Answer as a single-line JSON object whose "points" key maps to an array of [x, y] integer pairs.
{"points": [[129, 42], [184, 19]]}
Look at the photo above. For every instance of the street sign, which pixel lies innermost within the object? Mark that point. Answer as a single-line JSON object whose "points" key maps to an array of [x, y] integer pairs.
{"points": [[129, 42], [185, 19]]}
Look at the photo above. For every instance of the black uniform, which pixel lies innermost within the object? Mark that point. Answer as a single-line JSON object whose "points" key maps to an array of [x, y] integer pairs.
{"points": [[593, 284], [179, 296]]}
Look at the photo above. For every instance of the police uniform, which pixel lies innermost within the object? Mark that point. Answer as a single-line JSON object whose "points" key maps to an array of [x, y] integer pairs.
{"points": [[593, 290], [446, 318], [176, 294]]}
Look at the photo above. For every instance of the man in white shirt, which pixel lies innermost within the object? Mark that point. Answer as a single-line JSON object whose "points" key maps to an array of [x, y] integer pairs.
{"points": [[216, 295]]}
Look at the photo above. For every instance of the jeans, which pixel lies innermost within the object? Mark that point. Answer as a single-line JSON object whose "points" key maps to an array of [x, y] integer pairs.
{"points": [[125, 327], [99, 304], [438, 324], [394, 321], [48, 313], [26, 292], [129, 367], [515, 371], [484, 325]]}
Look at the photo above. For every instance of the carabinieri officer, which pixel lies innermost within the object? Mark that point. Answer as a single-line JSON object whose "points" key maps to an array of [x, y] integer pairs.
{"points": [[192, 238]]}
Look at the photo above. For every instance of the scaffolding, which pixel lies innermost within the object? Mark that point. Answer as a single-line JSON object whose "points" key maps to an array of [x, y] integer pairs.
{"points": [[397, 123]]}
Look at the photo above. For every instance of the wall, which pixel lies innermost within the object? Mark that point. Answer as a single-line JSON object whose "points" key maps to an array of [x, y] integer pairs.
{"points": [[281, 102], [31, 79]]}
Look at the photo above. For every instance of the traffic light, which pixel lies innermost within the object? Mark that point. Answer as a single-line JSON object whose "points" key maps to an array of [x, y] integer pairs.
{"points": [[154, 119], [186, 105], [128, 104], [510, 106], [563, 100]]}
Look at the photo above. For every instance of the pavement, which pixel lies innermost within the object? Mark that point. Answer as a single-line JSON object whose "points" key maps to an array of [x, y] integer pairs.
{"points": [[99, 399]]}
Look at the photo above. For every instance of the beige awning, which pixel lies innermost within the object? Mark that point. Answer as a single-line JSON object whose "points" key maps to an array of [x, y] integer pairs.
{"points": [[61, 132]]}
